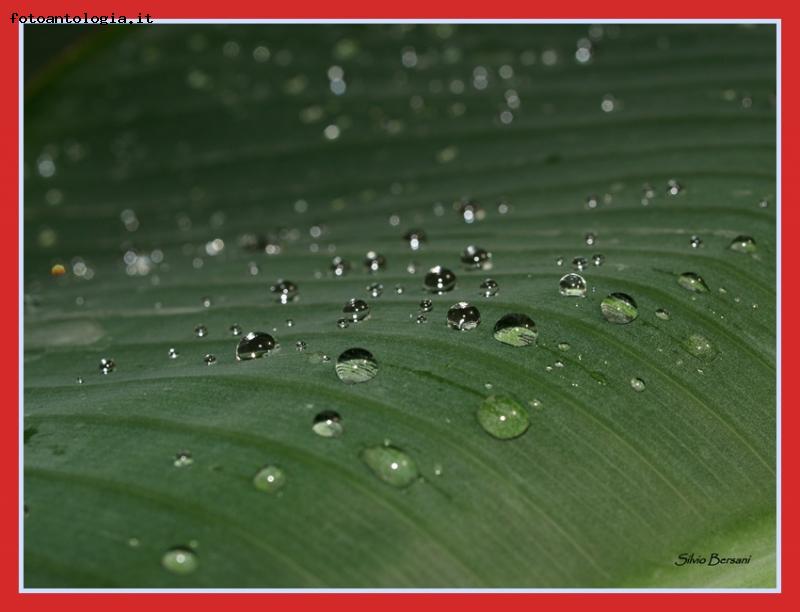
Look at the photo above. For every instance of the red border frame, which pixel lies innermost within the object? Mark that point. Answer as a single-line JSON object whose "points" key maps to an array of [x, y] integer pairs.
{"points": [[409, 9]]}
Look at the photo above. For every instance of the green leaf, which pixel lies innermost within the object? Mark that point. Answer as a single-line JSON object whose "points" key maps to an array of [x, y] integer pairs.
{"points": [[205, 133]]}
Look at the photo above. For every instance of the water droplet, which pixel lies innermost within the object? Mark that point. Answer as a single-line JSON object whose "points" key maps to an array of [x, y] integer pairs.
{"points": [[564, 346], [399, 289], [580, 264], [637, 384], [172, 353], [559, 261], [695, 242], [692, 282], [438, 470], [489, 288], [572, 285], [590, 238], [254, 346], [515, 329], [300, 345], [183, 458], [79, 380], [374, 262], [619, 308], [700, 346], [269, 479], [463, 316], [663, 314], [674, 187], [415, 238], [179, 560], [285, 291], [209, 359], [356, 310], [477, 258], [134, 542], [340, 266], [235, 329], [328, 424], [107, 365], [470, 211], [356, 365], [439, 280], [342, 323], [743, 244], [206, 302], [391, 465], [425, 305], [502, 417], [598, 259], [201, 331], [592, 201], [375, 290]]}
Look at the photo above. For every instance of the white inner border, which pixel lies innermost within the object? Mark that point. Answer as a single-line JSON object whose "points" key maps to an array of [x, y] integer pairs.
{"points": [[778, 205]]}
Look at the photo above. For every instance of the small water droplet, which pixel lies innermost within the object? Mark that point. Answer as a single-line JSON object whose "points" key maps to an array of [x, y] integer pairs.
{"points": [[201, 331], [637, 384], [172, 353], [663, 314], [476, 258], [328, 424], [134, 542], [180, 560], [391, 465], [79, 380], [700, 346], [269, 479], [489, 288], [421, 318], [425, 305], [356, 365], [502, 417], [439, 280], [559, 261], [695, 242], [356, 310], [572, 285], [399, 289], [209, 359], [254, 346], [590, 238], [107, 365], [598, 259], [235, 329], [183, 458], [463, 317], [437, 469], [415, 238], [743, 244], [580, 264], [342, 324], [619, 308], [374, 262], [564, 346], [339, 266], [692, 282], [674, 187], [515, 329], [300, 345], [592, 201], [206, 302], [285, 291], [375, 290], [470, 211]]}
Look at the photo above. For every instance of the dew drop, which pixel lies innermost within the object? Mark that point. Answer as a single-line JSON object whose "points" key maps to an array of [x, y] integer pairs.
{"points": [[580, 264], [391, 465], [300, 345], [421, 318], [209, 359], [619, 308], [476, 258], [564, 346], [235, 330], [201, 331], [342, 323], [590, 238], [328, 424], [269, 479], [695, 242], [179, 560], [356, 310], [637, 384], [285, 291], [375, 290], [439, 280], [674, 188], [183, 458], [462, 316], [172, 353], [399, 289], [206, 302], [700, 346], [489, 288], [415, 238], [339, 266], [663, 314], [356, 365], [107, 365], [374, 262], [692, 282], [598, 259], [572, 285], [502, 417], [470, 211], [425, 305], [254, 346], [743, 244], [79, 380], [515, 329]]}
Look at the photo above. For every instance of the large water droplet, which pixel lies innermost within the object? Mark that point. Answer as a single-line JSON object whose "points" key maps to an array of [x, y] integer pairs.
{"points": [[356, 365], [180, 560], [391, 465], [515, 329], [285, 291], [269, 479], [502, 417], [374, 262], [439, 280], [692, 282], [476, 258], [356, 310], [415, 238], [107, 365], [489, 288], [619, 308], [328, 424], [743, 244], [463, 316], [254, 346], [572, 285], [700, 346]]}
